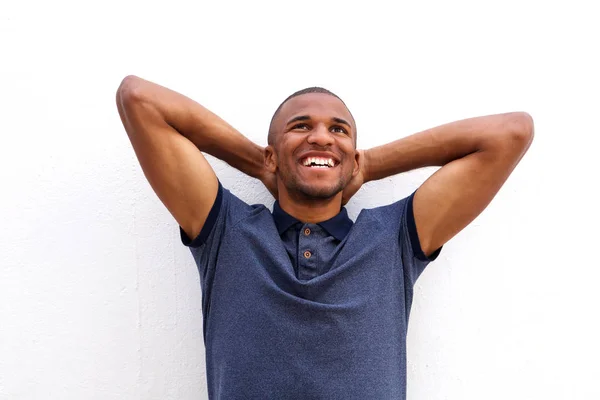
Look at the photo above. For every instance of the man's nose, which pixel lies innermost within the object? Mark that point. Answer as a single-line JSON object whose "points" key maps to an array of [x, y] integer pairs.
{"points": [[320, 136]]}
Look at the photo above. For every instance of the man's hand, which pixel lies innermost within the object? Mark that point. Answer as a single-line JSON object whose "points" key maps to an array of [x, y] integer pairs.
{"points": [[357, 181], [269, 179]]}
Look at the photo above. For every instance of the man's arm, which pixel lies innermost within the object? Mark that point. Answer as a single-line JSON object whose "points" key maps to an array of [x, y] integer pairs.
{"points": [[168, 131], [477, 155]]}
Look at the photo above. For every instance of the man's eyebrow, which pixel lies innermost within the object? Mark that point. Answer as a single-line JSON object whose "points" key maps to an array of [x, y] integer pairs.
{"points": [[340, 121], [299, 118], [307, 118]]}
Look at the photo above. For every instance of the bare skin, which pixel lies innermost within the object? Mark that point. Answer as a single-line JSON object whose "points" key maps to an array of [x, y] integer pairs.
{"points": [[168, 132], [313, 125], [476, 155]]}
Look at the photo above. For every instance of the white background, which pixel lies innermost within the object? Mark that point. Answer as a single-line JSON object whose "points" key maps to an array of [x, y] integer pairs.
{"points": [[98, 298]]}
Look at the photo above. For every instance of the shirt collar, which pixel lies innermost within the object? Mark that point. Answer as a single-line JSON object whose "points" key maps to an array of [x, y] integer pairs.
{"points": [[338, 226]]}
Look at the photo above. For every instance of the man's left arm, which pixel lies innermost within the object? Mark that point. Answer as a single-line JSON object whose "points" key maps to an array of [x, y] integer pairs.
{"points": [[477, 155]]}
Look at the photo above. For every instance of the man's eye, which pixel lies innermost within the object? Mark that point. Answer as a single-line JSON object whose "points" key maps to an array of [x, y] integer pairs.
{"points": [[339, 129], [300, 126]]}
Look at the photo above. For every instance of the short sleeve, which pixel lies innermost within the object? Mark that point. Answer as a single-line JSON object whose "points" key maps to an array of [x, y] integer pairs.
{"points": [[227, 211], [413, 236], [413, 259], [208, 225]]}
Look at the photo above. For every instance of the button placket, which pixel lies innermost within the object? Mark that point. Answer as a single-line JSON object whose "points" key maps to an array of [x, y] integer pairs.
{"points": [[306, 252]]}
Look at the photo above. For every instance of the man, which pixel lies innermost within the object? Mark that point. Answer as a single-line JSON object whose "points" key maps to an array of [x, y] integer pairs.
{"points": [[303, 303]]}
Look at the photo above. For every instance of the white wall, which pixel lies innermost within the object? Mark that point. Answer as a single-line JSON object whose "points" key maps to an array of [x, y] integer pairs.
{"points": [[98, 298]]}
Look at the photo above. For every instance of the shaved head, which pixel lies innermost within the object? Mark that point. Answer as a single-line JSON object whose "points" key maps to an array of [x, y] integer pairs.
{"points": [[314, 89]]}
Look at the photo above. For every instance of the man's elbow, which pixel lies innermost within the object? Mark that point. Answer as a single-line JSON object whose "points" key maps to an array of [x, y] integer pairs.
{"points": [[520, 128], [514, 133], [130, 91]]}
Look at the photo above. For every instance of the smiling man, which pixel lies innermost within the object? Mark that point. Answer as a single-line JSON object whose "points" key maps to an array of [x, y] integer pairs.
{"points": [[302, 302], [312, 152]]}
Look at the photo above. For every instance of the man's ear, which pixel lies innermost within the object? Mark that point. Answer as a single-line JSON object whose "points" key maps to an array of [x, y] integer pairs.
{"points": [[357, 162], [270, 159]]}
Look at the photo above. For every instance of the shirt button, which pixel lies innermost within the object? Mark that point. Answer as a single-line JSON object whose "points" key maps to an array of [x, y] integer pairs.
{"points": [[307, 254], [306, 232]]}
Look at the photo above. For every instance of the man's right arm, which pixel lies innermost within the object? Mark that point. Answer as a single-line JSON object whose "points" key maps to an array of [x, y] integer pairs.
{"points": [[168, 131]]}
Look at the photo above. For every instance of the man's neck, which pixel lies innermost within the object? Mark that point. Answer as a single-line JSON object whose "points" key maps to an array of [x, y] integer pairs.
{"points": [[310, 210]]}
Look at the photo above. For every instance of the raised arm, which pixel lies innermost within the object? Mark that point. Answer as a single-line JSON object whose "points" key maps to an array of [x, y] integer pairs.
{"points": [[168, 131], [477, 155]]}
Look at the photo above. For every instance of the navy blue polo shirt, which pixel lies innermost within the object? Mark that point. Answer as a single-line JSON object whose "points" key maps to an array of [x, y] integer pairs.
{"points": [[294, 310]]}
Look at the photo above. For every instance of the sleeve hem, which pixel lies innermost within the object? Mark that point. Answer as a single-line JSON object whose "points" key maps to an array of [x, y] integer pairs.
{"points": [[208, 225], [414, 236]]}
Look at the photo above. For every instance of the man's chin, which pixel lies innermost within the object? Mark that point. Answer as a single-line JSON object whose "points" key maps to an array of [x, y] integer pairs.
{"points": [[313, 188], [319, 192]]}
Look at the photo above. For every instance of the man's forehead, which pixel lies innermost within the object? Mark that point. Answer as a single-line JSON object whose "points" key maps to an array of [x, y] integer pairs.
{"points": [[315, 104]]}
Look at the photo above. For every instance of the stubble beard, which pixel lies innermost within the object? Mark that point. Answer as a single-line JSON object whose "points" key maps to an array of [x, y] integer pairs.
{"points": [[297, 187]]}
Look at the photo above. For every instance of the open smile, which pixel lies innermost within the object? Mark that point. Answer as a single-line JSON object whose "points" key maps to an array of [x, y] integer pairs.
{"points": [[319, 162]]}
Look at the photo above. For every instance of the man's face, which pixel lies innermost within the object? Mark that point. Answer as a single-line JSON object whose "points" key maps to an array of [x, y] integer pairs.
{"points": [[314, 153]]}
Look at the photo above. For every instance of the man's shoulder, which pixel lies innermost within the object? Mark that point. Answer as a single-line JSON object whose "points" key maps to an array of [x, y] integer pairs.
{"points": [[387, 212], [238, 209], [227, 212]]}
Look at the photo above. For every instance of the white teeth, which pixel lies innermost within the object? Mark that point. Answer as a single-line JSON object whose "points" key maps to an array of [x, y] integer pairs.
{"points": [[318, 162]]}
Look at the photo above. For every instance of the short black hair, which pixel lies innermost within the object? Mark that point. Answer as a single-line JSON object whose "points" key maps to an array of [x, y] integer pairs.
{"points": [[313, 89]]}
